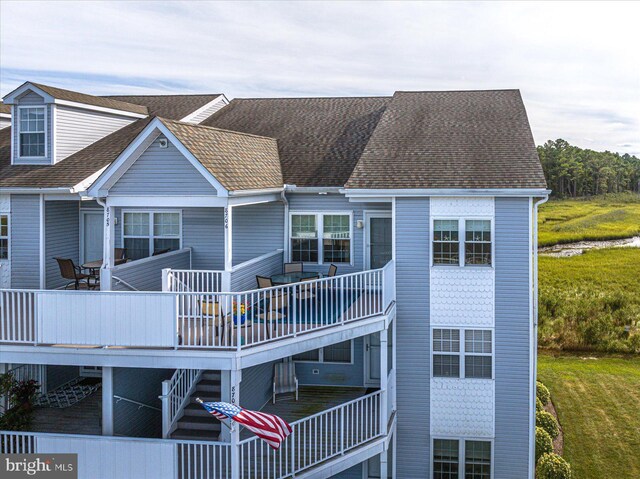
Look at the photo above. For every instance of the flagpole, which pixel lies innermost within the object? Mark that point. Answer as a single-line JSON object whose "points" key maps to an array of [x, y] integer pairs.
{"points": [[200, 401]]}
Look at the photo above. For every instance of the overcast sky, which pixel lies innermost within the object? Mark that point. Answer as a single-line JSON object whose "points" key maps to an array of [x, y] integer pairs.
{"points": [[576, 64]]}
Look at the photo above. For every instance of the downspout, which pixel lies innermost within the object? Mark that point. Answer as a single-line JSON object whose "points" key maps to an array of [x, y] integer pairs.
{"points": [[534, 333], [105, 273]]}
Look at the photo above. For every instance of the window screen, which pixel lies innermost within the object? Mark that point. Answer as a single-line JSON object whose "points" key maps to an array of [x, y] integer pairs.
{"points": [[446, 249]]}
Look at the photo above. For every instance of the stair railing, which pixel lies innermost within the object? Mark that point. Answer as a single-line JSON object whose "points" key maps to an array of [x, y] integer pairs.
{"points": [[176, 393]]}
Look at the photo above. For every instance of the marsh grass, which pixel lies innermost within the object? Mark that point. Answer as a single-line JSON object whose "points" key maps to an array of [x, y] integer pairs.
{"points": [[605, 217], [591, 301]]}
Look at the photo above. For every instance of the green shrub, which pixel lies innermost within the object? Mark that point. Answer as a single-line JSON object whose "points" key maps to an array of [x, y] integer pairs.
{"points": [[539, 405], [542, 393], [547, 422], [544, 443], [552, 466]]}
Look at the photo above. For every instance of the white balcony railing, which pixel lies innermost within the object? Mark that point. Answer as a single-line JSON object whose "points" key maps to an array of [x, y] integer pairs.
{"points": [[322, 437], [212, 320], [190, 280]]}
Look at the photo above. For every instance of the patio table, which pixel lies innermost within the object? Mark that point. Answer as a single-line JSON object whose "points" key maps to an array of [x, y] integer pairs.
{"points": [[93, 266], [296, 277]]}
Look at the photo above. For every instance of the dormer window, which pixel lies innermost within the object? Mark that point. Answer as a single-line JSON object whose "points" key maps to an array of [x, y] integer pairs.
{"points": [[32, 134]]}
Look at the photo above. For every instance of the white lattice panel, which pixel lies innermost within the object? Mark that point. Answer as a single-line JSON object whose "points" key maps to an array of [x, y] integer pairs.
{"points": [[462, 296], [462, 207], [462, 407]]}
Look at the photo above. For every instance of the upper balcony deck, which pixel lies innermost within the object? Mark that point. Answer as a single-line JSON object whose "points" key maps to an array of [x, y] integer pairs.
{"points": [[192, 323]]}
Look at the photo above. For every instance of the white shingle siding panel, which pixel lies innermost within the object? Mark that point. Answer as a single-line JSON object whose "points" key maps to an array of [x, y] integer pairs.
{"points": [[512, 338], [77, 128], [25, 241], [462, 407], [462, 297], [162, 171], [413, 337], [462, 207]]}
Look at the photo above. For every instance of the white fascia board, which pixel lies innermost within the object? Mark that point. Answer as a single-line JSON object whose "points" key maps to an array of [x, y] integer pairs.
{"points": [[313, 189], [520, 192], [252, 200], [27, 191], [5, 115], [221, 99], [10, 98], [101, 109], [172, 201]]}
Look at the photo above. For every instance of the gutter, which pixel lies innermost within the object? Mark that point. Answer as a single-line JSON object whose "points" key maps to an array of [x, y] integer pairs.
{"points": [[313, 189]]}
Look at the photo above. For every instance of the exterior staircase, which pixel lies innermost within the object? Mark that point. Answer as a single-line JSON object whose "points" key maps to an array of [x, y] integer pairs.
{"points": [[196, 423]]}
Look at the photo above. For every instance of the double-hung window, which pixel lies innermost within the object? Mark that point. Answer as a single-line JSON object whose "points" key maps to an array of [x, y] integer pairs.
{"points": [[148, 233], [335, 353], [475, 360], [31, 127], [475, 234], [447, 455], [4, 236], [321, 238]]}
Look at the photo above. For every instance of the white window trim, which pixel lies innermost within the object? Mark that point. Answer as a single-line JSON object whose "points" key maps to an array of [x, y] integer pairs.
{"points": [[462, 353], [461, 452], [151, 236], [321, 357], [8, 237], [320, 226], [461, 242], [17, 137]]}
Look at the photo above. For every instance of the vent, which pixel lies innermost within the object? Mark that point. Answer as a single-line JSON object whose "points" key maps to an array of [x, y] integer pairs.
{"points": [[163, 142]]}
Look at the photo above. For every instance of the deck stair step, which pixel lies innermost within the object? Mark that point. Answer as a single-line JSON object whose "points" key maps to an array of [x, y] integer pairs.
{"points": [[194, 422]]}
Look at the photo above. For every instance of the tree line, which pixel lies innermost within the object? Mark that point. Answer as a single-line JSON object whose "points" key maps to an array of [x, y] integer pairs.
{"points": [[573, 171]]}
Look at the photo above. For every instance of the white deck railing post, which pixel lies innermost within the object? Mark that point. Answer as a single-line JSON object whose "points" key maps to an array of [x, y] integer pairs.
{"points": [[166, 280], [166, 408]]}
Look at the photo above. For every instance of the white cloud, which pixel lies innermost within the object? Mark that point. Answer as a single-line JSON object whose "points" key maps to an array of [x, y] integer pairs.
{"points": [[575, 63]]}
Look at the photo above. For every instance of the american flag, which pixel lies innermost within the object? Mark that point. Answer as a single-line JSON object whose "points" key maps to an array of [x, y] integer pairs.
{"points": [[268, 427]]}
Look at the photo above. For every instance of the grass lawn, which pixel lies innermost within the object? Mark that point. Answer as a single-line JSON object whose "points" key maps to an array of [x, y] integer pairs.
{"points": [[598, 404], [600, 218]]}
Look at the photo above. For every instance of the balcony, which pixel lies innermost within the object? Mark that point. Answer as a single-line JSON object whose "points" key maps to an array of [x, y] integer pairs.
{"points": [[193, 318], [321, 444]]}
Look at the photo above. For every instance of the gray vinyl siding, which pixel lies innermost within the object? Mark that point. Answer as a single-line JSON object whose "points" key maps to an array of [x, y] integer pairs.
{"points": [[62, 238], [337, 202], [256, 387], [5, 122], [144, 386], [25, 241], [354, 472], [245, 279], [207, 112], [32, 99], [59, 375], [77, 128], [257, 229], [146, 274], [162, 171], [413, 336], [334, 374], [202, 231], [512, 336]]}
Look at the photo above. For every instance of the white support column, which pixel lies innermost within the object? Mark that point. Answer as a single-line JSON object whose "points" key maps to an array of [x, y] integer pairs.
{"points": [[228, 238], [384, 467], [107, 253], [384, 376], [394, 365], [107, 401], [394, 448], [235, 376], [43, 250]]}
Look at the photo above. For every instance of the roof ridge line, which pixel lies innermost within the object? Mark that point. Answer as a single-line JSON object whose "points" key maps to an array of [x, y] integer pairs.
{"points": [[199, 125]]}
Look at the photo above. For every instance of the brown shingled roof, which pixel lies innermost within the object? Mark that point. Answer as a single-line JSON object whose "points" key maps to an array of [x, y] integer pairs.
{"points": [[174, 107], [5, 108], [71, 170], [62, 94], [451, 139], [319, 139], [237, 160]]}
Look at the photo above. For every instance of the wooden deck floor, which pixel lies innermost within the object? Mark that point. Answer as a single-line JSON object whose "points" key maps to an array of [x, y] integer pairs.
{"points": [[83, 417]]}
